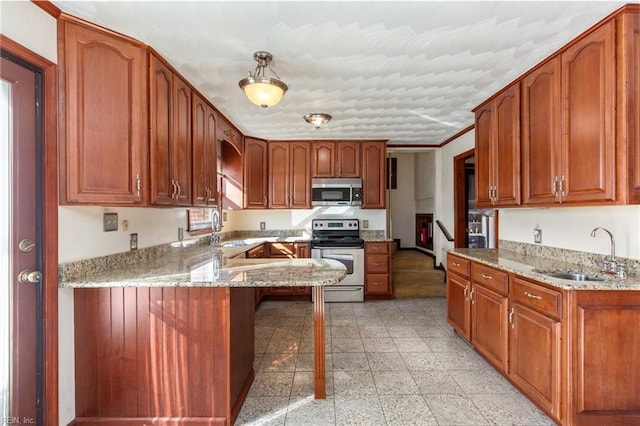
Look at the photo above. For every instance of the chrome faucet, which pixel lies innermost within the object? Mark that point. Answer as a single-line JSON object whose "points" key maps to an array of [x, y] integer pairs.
{"points": [[611, 266]]}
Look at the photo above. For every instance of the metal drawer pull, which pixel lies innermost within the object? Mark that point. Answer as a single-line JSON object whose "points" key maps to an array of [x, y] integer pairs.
{"points": [[377, 283], [486, 277], [377, 264], [532, 296], [455, 264]]}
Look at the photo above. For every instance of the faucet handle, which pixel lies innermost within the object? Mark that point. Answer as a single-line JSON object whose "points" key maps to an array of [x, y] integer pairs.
{"points": [[621, 271]]}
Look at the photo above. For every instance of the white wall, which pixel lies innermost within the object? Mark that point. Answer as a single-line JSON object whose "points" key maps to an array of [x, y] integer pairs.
{"points": [[425, 181], [444, 191], [32, 27], [402, 201], [300, 219], [570, 228]]}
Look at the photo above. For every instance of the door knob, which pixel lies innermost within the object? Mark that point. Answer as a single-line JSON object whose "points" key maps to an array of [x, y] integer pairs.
{"points": [[29, 277]]}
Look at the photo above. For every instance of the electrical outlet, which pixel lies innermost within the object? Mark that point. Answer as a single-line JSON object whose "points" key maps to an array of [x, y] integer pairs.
{"points": [[133, 241], [263, 226], [365, 223], [537, 235], [110, 222], [180, 234]]}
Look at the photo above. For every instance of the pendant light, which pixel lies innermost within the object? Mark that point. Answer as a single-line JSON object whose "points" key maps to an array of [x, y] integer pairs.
{"points": [[259, 89]]}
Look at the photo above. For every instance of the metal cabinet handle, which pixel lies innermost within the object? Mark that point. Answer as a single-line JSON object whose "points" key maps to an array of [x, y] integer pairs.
{"points": [[377, 283], [532, 296], [456, 264], [486, 277], [377, 264], [511, 318], [554, 186], [473, 302], [562, 185], [138, 185], [179, 190], [466, 293], [175, 189]]}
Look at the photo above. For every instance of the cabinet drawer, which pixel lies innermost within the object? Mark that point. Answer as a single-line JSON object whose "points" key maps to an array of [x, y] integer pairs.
{"points": [[377, 283], [459, 265], [491, 278], [377, 248], [377, 263], [538, 297]]}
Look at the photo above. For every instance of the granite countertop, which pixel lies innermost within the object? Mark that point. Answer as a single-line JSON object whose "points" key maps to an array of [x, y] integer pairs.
{"points": [[526, 266], [207, 266]]}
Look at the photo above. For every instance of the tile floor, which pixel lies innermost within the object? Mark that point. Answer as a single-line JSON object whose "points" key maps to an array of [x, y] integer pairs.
{"points": [[388, 362]]}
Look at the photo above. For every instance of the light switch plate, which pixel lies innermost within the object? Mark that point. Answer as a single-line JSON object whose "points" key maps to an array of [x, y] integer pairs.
{"points": [[263, 226], [110, 222], [133, 241]]}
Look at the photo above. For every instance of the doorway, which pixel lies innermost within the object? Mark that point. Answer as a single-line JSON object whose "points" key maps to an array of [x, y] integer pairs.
{"points": [[28, 229], [473, 228]]}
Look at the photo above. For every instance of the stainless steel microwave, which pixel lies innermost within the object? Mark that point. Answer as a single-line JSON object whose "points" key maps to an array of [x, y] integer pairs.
{"points": [[336, 192]]}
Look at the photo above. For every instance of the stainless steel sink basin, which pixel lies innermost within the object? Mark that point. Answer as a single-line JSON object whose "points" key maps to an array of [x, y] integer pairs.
{"points": [[573, 276], [234, 243]]}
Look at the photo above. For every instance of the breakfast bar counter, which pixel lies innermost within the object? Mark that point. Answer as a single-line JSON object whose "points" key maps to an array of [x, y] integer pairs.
{"points": [[171, 337]]}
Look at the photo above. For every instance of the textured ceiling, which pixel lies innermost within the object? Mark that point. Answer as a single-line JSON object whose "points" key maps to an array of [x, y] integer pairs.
{"points": [[409, 72]]}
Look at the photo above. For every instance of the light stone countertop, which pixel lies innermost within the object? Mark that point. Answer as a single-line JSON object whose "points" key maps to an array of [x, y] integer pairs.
{"points": [[527, 266], [207, 266]]}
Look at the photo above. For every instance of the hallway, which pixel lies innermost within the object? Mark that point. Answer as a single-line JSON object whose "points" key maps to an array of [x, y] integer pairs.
{"points": [[414, 276]]}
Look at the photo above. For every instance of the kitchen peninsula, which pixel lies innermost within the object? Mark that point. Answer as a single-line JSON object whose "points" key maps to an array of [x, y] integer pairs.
{"points": [[170, 340]]}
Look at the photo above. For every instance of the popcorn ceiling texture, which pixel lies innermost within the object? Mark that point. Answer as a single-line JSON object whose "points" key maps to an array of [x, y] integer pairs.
{"points": [[409, 72]]}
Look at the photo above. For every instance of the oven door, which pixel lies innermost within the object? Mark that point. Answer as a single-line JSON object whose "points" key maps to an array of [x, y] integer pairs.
{"points": [[351, 288]]}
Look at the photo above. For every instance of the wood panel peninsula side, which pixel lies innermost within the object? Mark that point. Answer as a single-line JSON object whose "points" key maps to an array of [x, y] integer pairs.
{"points": [[170, 340]]}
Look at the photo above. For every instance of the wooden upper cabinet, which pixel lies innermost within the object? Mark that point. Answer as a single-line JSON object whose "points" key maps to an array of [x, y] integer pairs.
{"points": [[324, 159], [588, 118], [348, 159], [255, 173], [103, 117], [541, 133], [227, 132], [170, 136], [204, 154], [336, 159], [373, 174], [498, 150], [289, 174], [629, 102]]}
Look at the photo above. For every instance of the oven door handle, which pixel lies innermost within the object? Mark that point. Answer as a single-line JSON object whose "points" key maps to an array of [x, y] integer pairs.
{"points": [[343, 288], [338, 256]]}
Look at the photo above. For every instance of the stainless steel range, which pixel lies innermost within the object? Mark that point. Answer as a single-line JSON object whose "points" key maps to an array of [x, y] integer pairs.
{"points": [[339, 239]]}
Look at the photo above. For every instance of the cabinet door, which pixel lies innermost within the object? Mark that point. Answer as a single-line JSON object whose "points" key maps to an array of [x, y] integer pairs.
{"points": [[541, 133], [204, 159], [458, 310], [507, 147], [489, 312], [103, 119], [211, 155], [199, 165], [300, 174], [303, 250], [323, 159], [483, 154], [279, 172], [373, 175], [161, 132], [181, 143], [255, 173], [535, 356], [588, 117], [348, 159]]}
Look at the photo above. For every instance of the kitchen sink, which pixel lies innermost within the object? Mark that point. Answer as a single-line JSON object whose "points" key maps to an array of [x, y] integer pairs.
{"points": [[573, 276], [234, 243]]}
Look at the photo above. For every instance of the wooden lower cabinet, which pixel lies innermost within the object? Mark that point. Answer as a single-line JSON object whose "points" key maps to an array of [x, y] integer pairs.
{"points": [[489, 311], [377, 270], [535, 357], [458, 304], [283, 250], [163, 356], [605, 351]]}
